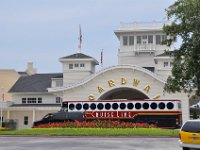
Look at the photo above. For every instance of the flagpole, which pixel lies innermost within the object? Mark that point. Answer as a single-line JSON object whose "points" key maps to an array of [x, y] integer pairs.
{"points": [[1, 113], [102, 58], [80, 39], [2, 107]]}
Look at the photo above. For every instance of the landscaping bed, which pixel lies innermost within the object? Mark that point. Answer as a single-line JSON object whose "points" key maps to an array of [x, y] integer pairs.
{"points": [[95, 128]]}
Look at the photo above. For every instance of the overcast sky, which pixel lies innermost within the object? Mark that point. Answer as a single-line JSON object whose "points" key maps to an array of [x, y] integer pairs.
{"points": [[42, 31]]}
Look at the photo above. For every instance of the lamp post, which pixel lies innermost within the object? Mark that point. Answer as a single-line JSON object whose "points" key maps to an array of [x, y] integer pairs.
{"points": [[2, 108], [1, 113]]}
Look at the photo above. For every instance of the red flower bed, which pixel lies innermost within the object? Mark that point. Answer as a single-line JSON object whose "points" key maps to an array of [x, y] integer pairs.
{"points": [[96, 124]]}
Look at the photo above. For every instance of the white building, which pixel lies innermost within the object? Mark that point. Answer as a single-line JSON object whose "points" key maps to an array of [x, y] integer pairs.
{"points": [[141, 45], [140, 74]]}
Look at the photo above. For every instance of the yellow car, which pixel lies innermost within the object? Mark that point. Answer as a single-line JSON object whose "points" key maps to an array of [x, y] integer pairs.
{"points": [[190, 135]]}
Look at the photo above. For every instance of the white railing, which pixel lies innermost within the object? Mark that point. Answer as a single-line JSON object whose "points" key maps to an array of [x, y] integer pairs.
{"points": [[136, 25], [145, 47]]}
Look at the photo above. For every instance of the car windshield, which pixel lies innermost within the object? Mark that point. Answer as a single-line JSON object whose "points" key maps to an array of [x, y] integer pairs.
{"points": [[191, 126], [47, 116]]}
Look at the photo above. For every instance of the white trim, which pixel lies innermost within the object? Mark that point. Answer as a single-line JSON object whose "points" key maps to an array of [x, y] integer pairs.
{"points": [[26, 108], [134, 67], [129, 87]]}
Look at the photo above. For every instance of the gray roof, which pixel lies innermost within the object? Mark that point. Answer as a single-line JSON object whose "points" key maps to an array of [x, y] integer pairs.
{"points": [[34, 83], [35, 105], [80, 56], [77, 55]]}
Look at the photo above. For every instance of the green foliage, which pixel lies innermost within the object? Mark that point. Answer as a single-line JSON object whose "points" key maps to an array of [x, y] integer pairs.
{"points": [[185, 16], [93, 132]]}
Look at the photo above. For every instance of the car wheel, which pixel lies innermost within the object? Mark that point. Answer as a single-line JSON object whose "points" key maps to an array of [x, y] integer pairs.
{"points": [[185, 148]]}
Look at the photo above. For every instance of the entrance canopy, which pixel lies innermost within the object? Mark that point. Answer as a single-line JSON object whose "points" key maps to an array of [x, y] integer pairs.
{"points": [[123, 93]]}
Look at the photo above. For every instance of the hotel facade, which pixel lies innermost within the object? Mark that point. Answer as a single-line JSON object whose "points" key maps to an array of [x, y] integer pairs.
{"points": [[141, 73]]}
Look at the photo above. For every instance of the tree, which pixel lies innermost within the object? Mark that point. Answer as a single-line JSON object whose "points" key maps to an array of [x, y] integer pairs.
{"points": [[185, 24]]}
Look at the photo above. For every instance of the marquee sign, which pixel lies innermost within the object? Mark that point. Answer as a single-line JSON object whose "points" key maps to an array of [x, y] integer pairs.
{"points": [[110, 114], [124, 114], [112, 83]]}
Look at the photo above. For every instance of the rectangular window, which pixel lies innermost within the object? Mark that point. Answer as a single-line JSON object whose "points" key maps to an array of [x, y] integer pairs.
{"points": [[23, 100], [76, 65], [144, 37], [158, 39], [70, 66], [39, 100], [150, 39], [28, 100], [164, 37], [125, 40], [165, 64], [58, 99], [59, 83], [25, 120], [139, 40], [171, 64], [82, 65], [31, 100], [131, 40]]}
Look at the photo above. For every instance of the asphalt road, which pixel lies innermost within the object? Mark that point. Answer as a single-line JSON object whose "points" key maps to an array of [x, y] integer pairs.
{"points": [[88, 143]]}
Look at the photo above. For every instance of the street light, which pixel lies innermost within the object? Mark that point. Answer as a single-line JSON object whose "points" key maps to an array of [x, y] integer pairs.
{"points": [[2, 108]]}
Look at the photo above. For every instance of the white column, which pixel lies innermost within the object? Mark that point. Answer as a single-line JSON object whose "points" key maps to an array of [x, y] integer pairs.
{"points": [[33, 114], [8, 114], [1, 114]]}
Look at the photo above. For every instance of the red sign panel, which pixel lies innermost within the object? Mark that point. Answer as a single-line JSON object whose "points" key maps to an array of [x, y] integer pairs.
{"points": [[110, 114], [124, 114]]}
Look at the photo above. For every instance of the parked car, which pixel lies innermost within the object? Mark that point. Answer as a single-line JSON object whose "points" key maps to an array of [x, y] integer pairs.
{"points": [[190, 135], [60, 117]]}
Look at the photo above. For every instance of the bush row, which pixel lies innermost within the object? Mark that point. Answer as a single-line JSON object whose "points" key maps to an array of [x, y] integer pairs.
{"points": [[96, 124]]}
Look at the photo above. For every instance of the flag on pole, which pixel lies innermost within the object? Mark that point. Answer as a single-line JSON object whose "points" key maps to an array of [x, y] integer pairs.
{"points": [[80, 37], [102, 58]]}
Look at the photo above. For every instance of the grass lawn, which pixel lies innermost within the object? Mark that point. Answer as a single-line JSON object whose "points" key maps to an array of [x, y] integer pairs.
{"points": [[93, 132]]}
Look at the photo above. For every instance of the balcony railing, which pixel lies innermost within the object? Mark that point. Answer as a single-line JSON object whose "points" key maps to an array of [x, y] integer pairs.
{"points": [[141, 25], [145, 48]]}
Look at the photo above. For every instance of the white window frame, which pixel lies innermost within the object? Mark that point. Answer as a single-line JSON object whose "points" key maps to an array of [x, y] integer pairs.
{"points": [[71, 66], [26, 120], [150, 39], [131, 40], [39, 100], [24, 100], [139, 39], [82, 65], [166, 64], [58, 100], [76, 65], [125, 40]]}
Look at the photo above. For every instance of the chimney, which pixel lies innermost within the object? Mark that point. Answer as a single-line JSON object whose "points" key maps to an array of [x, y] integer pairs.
{"points": [[30, 70]]}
